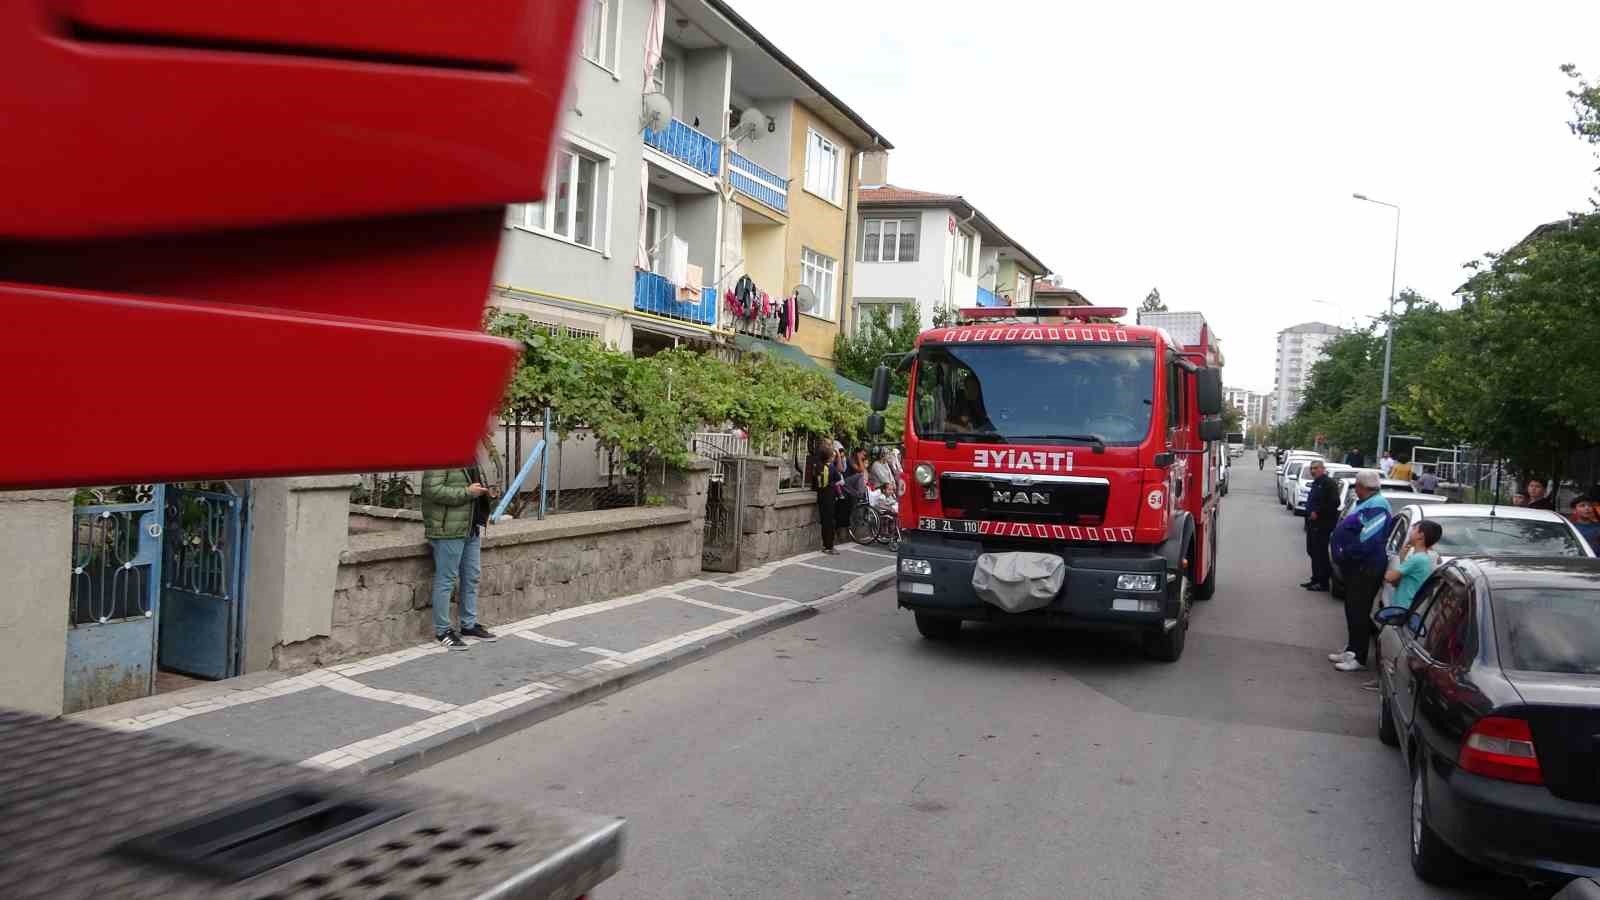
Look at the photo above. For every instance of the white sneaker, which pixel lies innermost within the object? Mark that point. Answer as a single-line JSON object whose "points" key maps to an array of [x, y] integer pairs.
{"points": [[1340, 656], [1349, 665]]}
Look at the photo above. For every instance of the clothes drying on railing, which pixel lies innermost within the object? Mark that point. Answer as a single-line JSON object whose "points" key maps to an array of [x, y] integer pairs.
{"points": [[755, 311]]}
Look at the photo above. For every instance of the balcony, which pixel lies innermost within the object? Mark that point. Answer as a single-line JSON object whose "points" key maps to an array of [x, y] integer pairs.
{"points": [[987, 297], [656, 295], [692, 148], [757, 183]]}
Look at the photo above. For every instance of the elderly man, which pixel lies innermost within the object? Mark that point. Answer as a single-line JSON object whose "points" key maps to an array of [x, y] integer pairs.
{"points": [[1322, 507], [1358, 547]]}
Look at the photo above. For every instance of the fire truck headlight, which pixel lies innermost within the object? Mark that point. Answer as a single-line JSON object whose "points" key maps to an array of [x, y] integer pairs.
{"points": [[923, 473], [1138, 582], [916, 567]]}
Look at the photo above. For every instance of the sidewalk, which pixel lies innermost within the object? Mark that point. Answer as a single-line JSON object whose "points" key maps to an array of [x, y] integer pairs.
{"points": [[402, 710]]}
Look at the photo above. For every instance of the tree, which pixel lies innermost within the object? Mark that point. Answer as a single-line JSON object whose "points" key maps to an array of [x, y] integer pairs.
{"points": [[857, 356], [1585, 99], [1232, 419], [1153, 302]]}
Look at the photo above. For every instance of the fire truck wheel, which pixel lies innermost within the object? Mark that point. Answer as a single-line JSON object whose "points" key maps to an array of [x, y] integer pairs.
{"points": [[1166, 645], [938, 628]]}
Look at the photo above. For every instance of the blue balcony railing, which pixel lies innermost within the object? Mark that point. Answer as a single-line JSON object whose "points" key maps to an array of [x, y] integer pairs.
{"points": [[656, 295], [987, 297], [759, 184], [687, 146]]}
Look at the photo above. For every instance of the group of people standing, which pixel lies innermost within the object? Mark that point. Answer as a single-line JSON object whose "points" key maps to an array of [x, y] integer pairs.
{"points": [[1357, 542], [843, 481]]}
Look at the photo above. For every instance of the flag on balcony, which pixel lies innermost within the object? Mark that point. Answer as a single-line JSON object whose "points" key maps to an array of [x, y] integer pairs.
{"points": [[653, 37]]}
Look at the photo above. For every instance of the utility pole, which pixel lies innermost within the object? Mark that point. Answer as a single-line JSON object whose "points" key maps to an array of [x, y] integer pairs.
{"points": [[1388, 340]]}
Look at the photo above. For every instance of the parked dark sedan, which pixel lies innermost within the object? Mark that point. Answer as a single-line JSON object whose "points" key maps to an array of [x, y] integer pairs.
{"points": [[1490, 686]]}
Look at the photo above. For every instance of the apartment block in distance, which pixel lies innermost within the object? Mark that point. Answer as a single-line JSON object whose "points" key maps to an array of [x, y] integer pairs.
{"points": [[1299, 348]]}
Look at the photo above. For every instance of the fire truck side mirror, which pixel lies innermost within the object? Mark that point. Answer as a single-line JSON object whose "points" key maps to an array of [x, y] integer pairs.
{"points": [[875, 424], [1211, 430], [880, 391], [1208, 392]]}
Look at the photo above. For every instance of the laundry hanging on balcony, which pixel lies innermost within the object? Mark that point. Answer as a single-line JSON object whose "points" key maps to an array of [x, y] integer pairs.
{"points": [[690, 291]]}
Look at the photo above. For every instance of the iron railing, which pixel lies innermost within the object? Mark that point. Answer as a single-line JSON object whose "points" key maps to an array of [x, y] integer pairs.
{"points": [[656, 295], [757, 183], [686, 145], [987, 297]]}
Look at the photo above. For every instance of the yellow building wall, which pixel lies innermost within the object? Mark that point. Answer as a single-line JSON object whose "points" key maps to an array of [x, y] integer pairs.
{"points": [[764, 253], [819, 225]]}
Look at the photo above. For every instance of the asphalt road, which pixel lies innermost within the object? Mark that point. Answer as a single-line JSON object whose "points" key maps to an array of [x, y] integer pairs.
{"points": [[845, 756]]}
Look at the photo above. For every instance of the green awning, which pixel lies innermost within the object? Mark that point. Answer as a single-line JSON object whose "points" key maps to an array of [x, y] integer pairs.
{"points": [[792, 354]]}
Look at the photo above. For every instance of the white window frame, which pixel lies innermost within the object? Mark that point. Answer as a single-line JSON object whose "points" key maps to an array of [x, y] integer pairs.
{"points": [[539, 218], [901, 309], [608, 31], [819, 143], [664, 79], [663, 232], [901, 224], [821, 273], [964, 251]]}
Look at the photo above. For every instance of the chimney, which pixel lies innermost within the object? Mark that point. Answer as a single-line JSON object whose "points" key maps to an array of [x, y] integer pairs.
{"points": [[874, 168]]}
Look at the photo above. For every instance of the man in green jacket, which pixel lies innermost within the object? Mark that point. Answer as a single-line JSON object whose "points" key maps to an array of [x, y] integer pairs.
{"points": [[455, 509]]}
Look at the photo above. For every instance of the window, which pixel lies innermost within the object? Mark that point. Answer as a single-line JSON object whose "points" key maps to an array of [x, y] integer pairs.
{"points": [[575, 203], [1549, 629], [1446, 631], [964, 252], [816, 272], [655, 219], [889, 240], [1175, 395], [594, 33], [822, 167], [1023, 290], [664, 76], [896, 311]]}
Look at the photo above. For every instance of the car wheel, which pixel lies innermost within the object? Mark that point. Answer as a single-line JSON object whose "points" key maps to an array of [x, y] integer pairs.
{"points": [[1386, 732], [1431, 858], [1166, 644], [938, 628]]}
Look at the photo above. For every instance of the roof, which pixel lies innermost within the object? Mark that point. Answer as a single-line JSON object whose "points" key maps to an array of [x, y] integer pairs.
{"points": [[783, 59], [886, 196], [1483, 511], [789, 353], [1312, 328], [1580, 572], [1072, 296]]}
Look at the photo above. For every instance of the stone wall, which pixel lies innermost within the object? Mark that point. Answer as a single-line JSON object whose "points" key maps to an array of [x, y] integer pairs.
{"points": [[383, 592], [775, 523]]}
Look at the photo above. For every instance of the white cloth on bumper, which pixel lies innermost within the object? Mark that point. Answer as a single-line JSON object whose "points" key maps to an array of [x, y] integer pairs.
{"points": [[1018, 582]]}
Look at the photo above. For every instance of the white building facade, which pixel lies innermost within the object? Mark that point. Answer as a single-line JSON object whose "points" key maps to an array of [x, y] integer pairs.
{"points": [[1299, 348]]}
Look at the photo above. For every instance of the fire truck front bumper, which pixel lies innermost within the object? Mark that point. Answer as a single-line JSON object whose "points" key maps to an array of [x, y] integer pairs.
{"points": [[1105, 587]]}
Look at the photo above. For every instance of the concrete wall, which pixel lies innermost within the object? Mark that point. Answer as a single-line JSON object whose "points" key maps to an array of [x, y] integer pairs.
{"points": [[707, 78], [696, 221], [820, 225], [775, 524], [763, 249], [772, 151], [602, 117], [298, 528], [36, 557], [381, 598], [925, 280]]}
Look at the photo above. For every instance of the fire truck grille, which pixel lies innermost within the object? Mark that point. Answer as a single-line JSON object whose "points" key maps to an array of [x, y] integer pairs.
{"points": [[1068, 503]]}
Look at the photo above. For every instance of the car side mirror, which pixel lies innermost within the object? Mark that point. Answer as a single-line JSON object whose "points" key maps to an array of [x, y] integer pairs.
{"points": [[880, 390], [1392, 616], [1211, 430]]}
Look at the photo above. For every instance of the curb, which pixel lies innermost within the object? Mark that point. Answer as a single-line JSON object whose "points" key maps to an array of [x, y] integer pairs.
{"points": [[418, 756]]}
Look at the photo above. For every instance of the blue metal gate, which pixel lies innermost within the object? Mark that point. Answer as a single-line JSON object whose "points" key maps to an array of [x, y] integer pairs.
{"points": [[114, 607], [202, 572]]}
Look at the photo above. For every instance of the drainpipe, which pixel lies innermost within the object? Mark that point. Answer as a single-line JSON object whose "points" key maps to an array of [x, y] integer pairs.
{"points": [[851, 198]]}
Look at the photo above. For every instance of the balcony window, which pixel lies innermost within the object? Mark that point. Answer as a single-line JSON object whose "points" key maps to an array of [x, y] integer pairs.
{"points": [[822, 167], [575, 204], [889, 240], [817, 273], [896, 313]]}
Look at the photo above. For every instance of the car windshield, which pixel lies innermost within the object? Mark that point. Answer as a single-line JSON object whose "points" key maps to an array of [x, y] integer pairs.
{"points": [[1035, 393], [1549, 630], [1503, 536]]}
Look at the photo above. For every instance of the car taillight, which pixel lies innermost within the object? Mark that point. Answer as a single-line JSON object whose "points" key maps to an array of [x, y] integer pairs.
{"points": [[1500, 747]]}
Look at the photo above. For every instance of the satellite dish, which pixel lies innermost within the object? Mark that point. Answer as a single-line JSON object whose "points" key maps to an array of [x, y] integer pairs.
{"points": [[752, 122], [806, 297], [657, 112]]}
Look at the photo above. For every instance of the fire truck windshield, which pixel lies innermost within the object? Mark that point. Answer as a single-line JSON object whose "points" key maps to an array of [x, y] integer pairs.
{"points": [[1033, 393]]}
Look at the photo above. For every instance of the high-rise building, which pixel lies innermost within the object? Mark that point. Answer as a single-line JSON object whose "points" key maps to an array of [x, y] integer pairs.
{"points": [[1260, 409], [1239, 399], [1299, 348]]}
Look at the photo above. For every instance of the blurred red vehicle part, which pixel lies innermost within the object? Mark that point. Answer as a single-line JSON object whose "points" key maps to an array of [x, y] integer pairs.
{"points": [[256, 238]]}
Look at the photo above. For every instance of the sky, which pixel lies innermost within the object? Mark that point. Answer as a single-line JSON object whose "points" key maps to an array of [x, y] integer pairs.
{"points": [[1211, 149]]}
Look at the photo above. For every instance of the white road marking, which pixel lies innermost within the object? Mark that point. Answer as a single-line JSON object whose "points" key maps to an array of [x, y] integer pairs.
{"points": [[727, 609], [826, 569], [542, 639]]}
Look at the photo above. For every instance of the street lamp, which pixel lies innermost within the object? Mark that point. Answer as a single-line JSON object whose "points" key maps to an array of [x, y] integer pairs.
{"points": [[1388, 340]]}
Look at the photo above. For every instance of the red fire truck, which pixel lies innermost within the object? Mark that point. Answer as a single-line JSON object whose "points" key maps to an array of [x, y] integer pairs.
{"points": [[1060, 473]]}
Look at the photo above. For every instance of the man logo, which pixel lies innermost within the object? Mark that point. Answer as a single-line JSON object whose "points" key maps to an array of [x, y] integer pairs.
{"points": [[1021, 498]]}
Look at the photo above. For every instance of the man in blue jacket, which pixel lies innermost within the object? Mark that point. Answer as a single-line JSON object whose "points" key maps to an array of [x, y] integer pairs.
{"points": [[1358, 546]]}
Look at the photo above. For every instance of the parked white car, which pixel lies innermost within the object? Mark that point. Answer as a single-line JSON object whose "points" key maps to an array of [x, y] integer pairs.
{"points": [[1291, 468], [1339, 472]]}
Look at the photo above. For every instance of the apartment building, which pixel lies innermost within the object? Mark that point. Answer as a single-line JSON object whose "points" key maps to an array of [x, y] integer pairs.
{"points": [[724, 160], [1260, 409], [921, 251], [1299, 348]]}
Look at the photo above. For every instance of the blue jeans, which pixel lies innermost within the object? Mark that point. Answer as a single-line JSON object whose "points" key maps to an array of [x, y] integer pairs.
{"points": [[455, 561]]}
